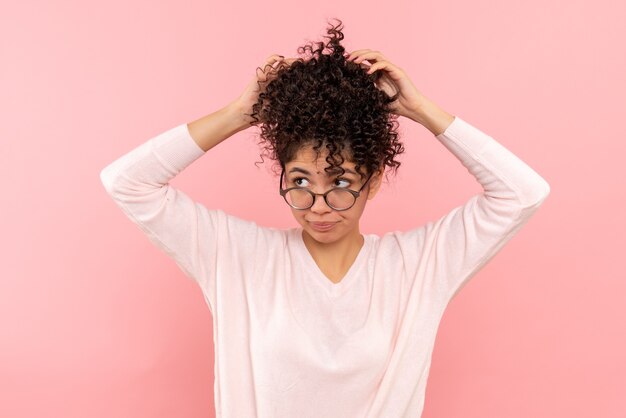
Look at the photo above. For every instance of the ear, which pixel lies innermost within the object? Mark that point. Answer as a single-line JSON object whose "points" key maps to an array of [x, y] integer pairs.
{"points": [[375, 183]]}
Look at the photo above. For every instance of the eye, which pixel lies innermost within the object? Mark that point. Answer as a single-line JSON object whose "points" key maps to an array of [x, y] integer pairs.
{"points": [[344, 180], [297, 179]]}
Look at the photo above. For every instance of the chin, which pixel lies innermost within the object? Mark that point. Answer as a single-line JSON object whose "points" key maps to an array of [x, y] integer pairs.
{"points": [[324, 236]]}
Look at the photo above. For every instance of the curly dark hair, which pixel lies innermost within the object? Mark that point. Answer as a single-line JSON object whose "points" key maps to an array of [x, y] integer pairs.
{"points": [[327, 101]]}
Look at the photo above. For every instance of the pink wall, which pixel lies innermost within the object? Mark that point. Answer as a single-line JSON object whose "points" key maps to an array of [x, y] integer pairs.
{"points": [[96, 322]]}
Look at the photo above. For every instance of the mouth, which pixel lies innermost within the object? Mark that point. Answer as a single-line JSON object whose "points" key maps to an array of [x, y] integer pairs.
{"points": [[322, 226]]}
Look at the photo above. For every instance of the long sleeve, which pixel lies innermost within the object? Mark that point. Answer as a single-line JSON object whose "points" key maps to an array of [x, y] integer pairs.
{"points": [[138, 182], [460, 243], [282, 330]]}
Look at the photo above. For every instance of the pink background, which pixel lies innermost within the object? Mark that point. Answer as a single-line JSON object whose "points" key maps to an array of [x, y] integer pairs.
{"points": [[96, 322]]}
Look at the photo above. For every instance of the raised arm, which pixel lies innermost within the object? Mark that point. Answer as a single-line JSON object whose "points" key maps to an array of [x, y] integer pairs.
{"points": [[139, 183], [446, 253], [212, 129], [191, 234], [459, 244], [431, 116]]}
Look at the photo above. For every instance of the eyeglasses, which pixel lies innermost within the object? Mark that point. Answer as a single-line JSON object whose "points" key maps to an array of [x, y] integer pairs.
{"points": [[337, 198]]}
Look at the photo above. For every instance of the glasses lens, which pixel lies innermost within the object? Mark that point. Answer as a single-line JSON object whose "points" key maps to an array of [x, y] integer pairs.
{"points": [[340, 199], [299, 199], [337, 199]]}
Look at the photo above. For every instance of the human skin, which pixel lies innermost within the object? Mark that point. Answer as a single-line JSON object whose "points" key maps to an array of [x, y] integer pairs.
{"points": [[334, 250]]}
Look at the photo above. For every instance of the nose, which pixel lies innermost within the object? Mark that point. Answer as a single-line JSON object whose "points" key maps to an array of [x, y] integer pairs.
{"points": [[319, 205]]}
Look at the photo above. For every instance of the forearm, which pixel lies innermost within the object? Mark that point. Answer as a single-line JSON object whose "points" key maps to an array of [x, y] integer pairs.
{"points": [[214, 128], [432, 117]]}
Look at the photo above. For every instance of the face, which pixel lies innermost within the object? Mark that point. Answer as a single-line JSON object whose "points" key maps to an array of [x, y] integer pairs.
{"points": [[307, 171]]}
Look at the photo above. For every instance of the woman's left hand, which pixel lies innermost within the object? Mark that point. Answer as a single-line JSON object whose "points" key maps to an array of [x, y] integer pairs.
{"points": [[394, 79]]}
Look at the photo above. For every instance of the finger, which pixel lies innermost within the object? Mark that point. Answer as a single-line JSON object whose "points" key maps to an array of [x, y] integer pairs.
{"points": [[270, 62], [370, 56], [374, 67], [394, 69], [380, 65], [274, 57], [362, 53], [357, 53], [263, 73]]}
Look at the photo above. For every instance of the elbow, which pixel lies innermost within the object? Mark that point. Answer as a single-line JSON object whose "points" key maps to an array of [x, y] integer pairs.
{"points": [[546, 189], [540, 194], [543, 189], [106, 178]]}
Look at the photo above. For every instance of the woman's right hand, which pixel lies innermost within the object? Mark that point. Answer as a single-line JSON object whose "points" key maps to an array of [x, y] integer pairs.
{"points": [[251, 93]]}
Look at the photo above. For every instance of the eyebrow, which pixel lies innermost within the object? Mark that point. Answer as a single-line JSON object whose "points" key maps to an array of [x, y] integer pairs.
{"points": [[302, 170]]}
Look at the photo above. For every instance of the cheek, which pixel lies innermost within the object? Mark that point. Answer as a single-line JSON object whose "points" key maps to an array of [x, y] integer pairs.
{"points": [[357, 210], [351, 214], [297, 214]]}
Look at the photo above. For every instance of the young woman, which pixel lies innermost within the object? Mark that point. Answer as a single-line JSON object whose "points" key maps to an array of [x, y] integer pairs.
{"points": [[322, 320]]}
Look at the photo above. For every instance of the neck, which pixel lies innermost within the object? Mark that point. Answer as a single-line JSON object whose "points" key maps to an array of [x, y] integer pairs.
{"points": [[337, 255]]}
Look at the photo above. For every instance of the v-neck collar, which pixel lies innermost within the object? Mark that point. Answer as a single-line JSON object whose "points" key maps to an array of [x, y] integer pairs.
{"points": [[333, 289]]}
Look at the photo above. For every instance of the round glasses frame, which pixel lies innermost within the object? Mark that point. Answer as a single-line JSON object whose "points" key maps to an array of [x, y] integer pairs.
{"points": [[356, 194]]}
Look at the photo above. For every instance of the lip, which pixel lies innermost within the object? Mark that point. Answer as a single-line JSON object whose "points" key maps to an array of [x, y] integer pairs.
{"points": [[322, 226]]}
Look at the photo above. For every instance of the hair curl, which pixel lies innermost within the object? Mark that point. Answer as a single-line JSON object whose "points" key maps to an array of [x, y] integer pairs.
{"points": [[327, 101]]}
